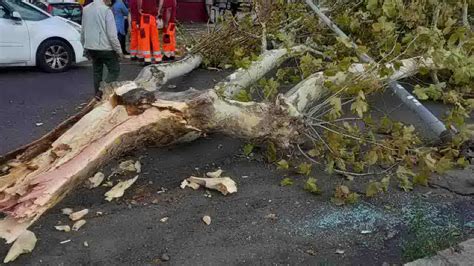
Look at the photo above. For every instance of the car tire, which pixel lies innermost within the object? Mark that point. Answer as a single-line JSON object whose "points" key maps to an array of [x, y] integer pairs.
{"points": [[54, 56]]}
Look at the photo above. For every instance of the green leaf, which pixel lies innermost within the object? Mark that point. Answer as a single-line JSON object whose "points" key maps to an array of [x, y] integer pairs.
{"points": [[313, 153], [286, 182], [271, 152], [248, 148], [404, 175], [283, 165], [336, 105], [311, 186], [421, 179], [352, 198], [444, 164], [372, 189], [420, 93], [305, 169], [372, 5], [243, 96], [385, 182], [372, 157], [360, 106]]}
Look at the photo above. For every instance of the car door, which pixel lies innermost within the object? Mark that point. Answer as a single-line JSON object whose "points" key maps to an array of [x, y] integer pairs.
{"points": [[14, 40]]}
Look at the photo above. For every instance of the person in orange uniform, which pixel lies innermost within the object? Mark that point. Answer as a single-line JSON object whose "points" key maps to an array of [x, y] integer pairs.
{"points": [[134, 29], [148, 41], [168, 13]]}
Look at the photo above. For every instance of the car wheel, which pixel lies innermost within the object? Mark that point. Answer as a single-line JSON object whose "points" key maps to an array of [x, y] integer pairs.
{"points": [[54, 56]]}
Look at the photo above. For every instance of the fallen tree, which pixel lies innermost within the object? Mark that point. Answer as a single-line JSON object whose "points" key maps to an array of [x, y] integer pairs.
{"points": [[131, 116], [137, 113]]}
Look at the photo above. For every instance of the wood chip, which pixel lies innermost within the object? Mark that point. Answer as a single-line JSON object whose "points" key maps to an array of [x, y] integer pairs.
{"points": [[96, 180], [77, 225], [128, 166], [78, 215], [164, 219], [67, 211], [138, 167], [192, 185], [25, 243], [225, 185], [118, 190], [64, 228], [206, 219], [215, 174]]}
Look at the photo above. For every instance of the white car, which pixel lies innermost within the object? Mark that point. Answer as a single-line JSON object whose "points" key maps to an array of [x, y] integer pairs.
{"points": [[32, 37]]}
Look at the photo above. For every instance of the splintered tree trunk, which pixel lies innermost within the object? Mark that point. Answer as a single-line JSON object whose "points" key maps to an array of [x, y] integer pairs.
{"points": [[132, 114]]}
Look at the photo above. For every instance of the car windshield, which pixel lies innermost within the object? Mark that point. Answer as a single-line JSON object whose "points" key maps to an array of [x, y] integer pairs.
{"points": [[26, 11], [66, 10]]}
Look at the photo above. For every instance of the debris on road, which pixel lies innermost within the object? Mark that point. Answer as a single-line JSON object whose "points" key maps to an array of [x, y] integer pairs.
{"points": [[206, 219], [207, 194], [39, 124], [165, 257], [225, 185], [64, 228], [25, 243], [130, 166], [215, 174], [311, 252], [67, 211], [65, 241], [340, 251], [365, 232], [186, 183], [271, 216], [164, 219], [77, 225], [78, 215], [138, 167], [118, 190], [86, 244], [96, 180]]}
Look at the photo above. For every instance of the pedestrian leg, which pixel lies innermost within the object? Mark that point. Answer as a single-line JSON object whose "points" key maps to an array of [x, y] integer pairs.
{"points": [[169, 41], [97, 70], [134, 40], [144, 38], [121, 39], [155, 41], [111, 60]]}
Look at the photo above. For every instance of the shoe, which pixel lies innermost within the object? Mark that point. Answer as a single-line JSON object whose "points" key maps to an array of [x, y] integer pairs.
{"points": [[127, 56]]}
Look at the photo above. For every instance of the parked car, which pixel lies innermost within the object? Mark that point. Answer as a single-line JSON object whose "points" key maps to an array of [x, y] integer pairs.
{"points": [[68, 9], [32, 37]]}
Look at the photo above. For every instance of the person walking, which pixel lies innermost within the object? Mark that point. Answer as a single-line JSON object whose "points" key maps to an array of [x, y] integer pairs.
{"points": [[149, 42], [168, 13], [134, 17], [99, 38], [120, 13]]}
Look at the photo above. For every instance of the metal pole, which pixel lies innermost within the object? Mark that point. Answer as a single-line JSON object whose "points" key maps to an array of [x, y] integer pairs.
{"points": [[431, 121]]}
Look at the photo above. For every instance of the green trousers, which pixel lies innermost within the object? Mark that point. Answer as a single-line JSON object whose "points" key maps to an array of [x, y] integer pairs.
{"points": [[110, 60]]}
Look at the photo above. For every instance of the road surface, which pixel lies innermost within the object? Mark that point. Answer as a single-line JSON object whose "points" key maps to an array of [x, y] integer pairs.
{"points": [[32, 102]]}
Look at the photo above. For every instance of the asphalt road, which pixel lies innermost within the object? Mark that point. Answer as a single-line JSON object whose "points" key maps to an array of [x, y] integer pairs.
{"points": [[29, 96]]}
